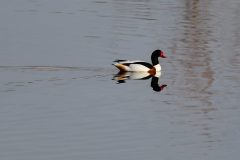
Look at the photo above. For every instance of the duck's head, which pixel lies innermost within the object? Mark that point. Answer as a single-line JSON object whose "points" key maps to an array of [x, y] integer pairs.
{"points": [[158, 53]]}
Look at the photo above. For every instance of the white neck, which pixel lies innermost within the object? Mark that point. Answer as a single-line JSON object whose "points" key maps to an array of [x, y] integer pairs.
{"points": [[157, 67]]}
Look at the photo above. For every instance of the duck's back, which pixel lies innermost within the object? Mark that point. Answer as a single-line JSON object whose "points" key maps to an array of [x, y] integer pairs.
{"points": [[134, 66]]}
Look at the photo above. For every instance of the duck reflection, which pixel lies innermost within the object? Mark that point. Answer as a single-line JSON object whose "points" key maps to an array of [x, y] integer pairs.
{"points": [[122, 77]]}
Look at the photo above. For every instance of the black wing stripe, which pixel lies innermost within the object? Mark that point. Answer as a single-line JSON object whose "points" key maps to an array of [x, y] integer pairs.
{"points": [[119, 60], [127, 64]]}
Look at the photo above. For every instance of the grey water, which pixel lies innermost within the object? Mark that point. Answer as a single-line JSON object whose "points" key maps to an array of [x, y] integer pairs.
{"points": [[59, 98]]}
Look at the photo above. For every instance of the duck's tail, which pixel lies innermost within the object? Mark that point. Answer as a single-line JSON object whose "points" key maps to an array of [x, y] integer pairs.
{"points": [[120, 66]]}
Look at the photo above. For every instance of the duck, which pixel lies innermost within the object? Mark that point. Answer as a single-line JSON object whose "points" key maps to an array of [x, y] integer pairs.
{"points": [[141, 66]]}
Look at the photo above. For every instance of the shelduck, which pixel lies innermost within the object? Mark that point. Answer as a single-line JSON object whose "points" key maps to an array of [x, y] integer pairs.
{"points": [[141, 66]]}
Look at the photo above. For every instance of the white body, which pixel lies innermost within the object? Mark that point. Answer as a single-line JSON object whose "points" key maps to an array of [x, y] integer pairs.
{"points": [[132, 67]]}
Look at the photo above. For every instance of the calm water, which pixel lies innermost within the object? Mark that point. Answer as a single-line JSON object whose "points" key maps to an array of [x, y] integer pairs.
{"points": [[59, 98]]}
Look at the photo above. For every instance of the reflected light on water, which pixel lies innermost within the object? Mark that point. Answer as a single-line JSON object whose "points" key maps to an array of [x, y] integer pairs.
{"points": [[122, 77]]}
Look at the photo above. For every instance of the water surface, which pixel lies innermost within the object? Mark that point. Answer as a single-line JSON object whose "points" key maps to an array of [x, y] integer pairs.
{"points": [[59, 99]]}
